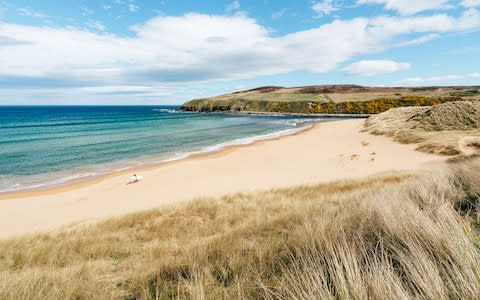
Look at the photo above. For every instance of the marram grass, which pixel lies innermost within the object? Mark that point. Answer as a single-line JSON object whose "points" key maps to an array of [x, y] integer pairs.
{"points": [[402, 236]]}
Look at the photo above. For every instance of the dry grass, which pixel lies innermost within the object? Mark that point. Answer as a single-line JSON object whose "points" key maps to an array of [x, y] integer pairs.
{"points": [[440, 129], [365, 96], [274, 96], [398, 236]]}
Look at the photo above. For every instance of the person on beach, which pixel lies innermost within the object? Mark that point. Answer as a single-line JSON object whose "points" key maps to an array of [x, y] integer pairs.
{"points": [[135, 179]]}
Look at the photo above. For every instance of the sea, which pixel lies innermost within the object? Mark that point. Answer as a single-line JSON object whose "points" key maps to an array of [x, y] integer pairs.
{"points": [[44, 146]]}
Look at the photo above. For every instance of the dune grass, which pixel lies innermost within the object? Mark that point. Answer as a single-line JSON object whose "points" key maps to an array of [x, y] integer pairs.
{"points": [[451, 128], [398, 236]]}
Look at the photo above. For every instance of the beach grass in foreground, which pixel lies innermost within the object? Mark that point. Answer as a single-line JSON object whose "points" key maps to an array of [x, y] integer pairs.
{"points": [[402, 235]]}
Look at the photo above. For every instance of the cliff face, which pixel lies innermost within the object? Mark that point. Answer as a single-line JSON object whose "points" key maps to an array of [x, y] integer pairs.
{"points": [[373, 106]]}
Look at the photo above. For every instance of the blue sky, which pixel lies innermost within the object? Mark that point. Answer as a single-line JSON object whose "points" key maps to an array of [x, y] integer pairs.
{"points": [[167, 52]]}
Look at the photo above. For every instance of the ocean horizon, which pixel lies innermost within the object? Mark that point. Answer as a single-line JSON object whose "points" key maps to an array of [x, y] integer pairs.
{"points": [[50, 145]]}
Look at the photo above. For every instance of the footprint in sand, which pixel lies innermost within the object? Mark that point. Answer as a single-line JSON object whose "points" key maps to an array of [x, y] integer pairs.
{"points": [[354, 157], [469, 145], [364, 143]]}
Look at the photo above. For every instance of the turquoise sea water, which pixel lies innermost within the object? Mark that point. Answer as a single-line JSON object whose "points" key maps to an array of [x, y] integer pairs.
{"points": [[42, 146]]}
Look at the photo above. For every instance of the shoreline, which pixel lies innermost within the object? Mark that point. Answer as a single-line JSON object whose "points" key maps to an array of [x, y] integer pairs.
{"points": [[148, 166], [287, 114], [327, 152], [88, 174]]}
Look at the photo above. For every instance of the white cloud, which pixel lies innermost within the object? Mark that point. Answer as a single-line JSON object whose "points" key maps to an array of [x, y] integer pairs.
{"points": [[30, 13], [279, 14], [470, 3], [199, 48], [95, 25], [87, 12], [325, 7], [430, 80], [133, 7], [117, 89], [159, 12], [235, 5], [409, 7], [128, 4], [474, 75], [375, 67], [420, 40], [438, 23]]}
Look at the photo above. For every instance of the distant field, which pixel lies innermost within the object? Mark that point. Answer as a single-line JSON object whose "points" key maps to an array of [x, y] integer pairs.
{"points": [[355, 97], [288, 97], [326, 95], [343, 99]]}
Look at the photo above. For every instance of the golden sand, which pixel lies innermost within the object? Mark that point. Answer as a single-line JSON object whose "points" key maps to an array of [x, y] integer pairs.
{"points": [[328, 152]]}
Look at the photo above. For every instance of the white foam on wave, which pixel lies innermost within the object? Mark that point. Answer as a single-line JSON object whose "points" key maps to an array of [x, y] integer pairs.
{"points": [[236, 142], [17, 186], [296, 122], [251, 140], [167, 110], [123, 169], [176, 157]]}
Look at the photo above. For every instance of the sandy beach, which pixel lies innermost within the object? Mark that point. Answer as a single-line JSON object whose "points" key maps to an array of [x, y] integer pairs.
{"points": [[330, 151]]}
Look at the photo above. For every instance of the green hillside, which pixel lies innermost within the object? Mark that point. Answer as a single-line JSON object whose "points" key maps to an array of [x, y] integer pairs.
{"points": [[329, 99]]}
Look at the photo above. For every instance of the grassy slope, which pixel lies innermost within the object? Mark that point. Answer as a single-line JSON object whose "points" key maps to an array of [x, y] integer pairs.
{"points": [[389, 237], [449, 129], [344, 99]]}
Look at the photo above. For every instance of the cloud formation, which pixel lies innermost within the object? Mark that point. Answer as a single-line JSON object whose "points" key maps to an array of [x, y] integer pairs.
{"points": [[199, 48], [420, 40], [133, 7], [325, 7], [235, 5], [436, 79], [279, 13], [30, 13], [409, 7], [375, 67], [470, 3], [95, 25]]}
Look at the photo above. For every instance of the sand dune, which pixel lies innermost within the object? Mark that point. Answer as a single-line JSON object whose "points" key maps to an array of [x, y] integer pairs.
{"points": [[328, 152]]}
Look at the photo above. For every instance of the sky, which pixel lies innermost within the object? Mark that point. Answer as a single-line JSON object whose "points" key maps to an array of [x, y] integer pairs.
{"points": [[167, 52]]}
